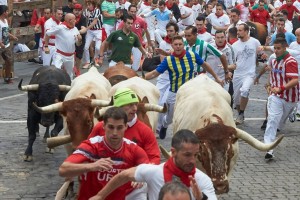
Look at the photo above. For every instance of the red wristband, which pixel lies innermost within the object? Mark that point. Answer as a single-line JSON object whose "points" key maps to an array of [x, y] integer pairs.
{"points": [[282, 88]]}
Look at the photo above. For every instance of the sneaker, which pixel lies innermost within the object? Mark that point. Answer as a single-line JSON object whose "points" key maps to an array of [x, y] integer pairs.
{"points": [[239, 120], [162, 132], [86, 66], [269, 156], [33, 60], [264, 125], [298, 116], [8, 81]]}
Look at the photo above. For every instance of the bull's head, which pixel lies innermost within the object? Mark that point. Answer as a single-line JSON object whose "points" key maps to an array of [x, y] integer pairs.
{"points": [[79, 117], [46, 94], [144, 106], [219, 151]]}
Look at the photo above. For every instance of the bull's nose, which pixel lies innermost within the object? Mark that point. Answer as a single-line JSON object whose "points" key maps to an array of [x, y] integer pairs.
{"points": [[221, 187]]}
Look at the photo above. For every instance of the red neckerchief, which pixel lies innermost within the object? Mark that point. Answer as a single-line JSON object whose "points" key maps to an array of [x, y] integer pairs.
{"points": [[67, 25], [57, 21], [170, 170], [198, 3], [218, 16], [187, 5], [221, 47], [169, 6], [147, 3], [168, 40], [233, 40], [202, 31], [180, 55], [78, 19]]}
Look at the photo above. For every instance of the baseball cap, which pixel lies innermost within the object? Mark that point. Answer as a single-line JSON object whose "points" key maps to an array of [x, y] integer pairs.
{"points": [[77, 6], [124, 96]]}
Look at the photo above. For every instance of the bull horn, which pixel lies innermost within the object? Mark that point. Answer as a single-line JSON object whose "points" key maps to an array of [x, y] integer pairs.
{"points": [[58, 141], [100, 112], [47, 109], [101, 103], [157, 108], [164, 152], [256, 143], [31, 87], [60, 194], [64, 87]]}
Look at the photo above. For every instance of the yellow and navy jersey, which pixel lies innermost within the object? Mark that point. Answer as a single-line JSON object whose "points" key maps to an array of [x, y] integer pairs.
{"points": [[180, 69]]}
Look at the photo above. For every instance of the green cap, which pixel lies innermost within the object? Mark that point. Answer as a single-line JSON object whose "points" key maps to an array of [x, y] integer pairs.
{"points": [[124, 96]]}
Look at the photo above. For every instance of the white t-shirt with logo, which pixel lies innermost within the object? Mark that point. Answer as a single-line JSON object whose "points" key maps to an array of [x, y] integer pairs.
{"points": [[245, 55]]}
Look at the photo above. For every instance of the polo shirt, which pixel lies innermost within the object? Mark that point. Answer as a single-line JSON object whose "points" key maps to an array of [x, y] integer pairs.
{"points": [[266, 7], [290, 9], [110, 8], [203, 49], [122, 45], [289, 37], [138, 27], [260, 16], [180, 70]]}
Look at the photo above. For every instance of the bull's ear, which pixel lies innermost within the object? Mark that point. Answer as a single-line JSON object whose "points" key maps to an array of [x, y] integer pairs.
{"points": [[145, 100], [93, 96]]}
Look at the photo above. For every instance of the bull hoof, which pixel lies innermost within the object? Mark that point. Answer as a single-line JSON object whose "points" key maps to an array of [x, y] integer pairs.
{"points": [[48, 150], [27, 158]]}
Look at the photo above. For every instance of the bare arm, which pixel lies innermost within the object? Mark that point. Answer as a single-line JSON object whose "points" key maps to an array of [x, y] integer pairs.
{"points": [[93, 23], [219, 28], [152, 74], [117, 181], [103, 48], [292, 83], [148, 37]]}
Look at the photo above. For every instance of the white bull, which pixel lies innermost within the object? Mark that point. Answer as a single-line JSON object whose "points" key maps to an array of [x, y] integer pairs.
{"points": [[203, 106], [148, 93]]}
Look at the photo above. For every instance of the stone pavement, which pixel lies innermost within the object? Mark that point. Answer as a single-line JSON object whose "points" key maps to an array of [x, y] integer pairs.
{"points": [[252, 177]]}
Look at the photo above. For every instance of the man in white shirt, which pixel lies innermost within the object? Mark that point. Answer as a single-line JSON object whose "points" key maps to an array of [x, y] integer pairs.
{"points": [[218, 20], [66, 35], [179, 165], [235, 18], [202, 33], [51, 23], [297, 4], [245, 50], [187, 15]]}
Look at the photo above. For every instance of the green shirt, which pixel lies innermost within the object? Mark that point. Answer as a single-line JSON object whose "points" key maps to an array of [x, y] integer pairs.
{"points": [[203, 49], [110, 8], [122, 45], [266, 7]]}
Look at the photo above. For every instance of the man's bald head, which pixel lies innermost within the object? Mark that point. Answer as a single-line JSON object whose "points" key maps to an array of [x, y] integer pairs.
{"points": [[70, 19]]}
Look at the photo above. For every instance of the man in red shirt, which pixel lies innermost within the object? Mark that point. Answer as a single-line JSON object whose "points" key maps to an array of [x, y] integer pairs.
{"points": [[137, 131], [290, 8], [260, 15], [284, 90], [99, 158]]}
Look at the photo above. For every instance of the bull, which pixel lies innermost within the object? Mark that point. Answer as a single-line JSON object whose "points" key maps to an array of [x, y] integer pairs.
{"points": [[88, 91], [119, 73], [258, 31], [47, 86], [211, 118], [149, 95]]}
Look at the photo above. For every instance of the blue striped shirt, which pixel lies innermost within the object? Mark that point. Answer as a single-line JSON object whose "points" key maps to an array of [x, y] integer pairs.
{"points": [[180, 70]]}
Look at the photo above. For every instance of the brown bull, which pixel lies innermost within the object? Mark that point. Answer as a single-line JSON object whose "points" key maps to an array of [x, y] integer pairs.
{"points": [[118, 73]]}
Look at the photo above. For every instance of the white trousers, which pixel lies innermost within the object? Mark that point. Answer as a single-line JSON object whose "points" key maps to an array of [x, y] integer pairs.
{"points": [[108, 29], [168, 118], [48, 59], [163, 85], [65, 62], [241, 87], [159, 34], [90, 35], [278, 112], [113, 63], [137, 56]]}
